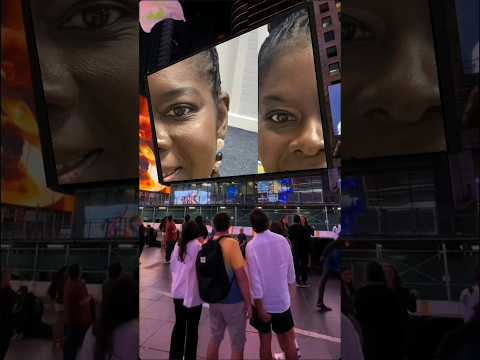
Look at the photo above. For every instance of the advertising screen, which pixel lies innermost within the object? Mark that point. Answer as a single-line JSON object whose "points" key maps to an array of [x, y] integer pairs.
{"points": [[86, 90], [249, 105], [274, 191], [191, 197], [391, 96], [335, 95]]}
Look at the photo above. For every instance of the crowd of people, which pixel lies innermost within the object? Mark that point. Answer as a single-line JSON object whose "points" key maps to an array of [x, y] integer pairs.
{"points": [[238, 281], [82, 329], [377, 321]]}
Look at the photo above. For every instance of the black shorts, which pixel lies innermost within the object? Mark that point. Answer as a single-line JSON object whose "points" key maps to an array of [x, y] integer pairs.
{"points": [[280, 323]]}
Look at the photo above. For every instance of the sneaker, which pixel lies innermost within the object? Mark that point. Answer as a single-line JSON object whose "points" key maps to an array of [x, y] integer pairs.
{"points": [[298, 285], [306, 285], [323, 308], [279, 356]]}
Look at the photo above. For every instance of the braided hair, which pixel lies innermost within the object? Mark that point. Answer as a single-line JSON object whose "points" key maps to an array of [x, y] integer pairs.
{"points": [[208, 64], [291, 32]]}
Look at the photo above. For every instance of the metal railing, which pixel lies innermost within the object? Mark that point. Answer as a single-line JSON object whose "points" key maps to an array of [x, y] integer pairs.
{"points": [[437, 269], [37, 260]]}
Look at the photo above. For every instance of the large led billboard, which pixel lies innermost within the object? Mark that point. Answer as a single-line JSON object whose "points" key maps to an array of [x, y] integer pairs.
{"points": [[249, 105]]}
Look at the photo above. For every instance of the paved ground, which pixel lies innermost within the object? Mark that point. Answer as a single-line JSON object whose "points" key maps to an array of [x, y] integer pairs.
{"points": [[318, 334]]}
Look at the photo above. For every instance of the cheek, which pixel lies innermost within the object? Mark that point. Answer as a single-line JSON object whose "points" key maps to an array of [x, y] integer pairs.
{"points": [[272, 147], [196, 144]]}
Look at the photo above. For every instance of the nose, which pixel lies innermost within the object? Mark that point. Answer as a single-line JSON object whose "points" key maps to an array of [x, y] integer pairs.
{"points": [[60, 88], [405, 88], [310, 141], [164, 141]]}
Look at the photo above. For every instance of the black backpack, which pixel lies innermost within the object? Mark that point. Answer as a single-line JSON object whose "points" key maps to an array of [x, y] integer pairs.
{"points": [[213, 282]]}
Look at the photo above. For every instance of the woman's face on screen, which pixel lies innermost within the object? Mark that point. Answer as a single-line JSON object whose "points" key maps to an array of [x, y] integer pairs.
{"points": [[88, 53], [290, 126], [189, 122], [390, 92]]}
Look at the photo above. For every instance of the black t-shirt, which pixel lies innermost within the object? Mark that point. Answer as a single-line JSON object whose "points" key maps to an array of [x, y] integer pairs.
{"points": [[299, 238]]}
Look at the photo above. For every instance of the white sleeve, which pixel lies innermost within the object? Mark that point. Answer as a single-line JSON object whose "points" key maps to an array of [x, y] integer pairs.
{"points": [[254, 274], [174, 259], [291, 267], [192, 296]]}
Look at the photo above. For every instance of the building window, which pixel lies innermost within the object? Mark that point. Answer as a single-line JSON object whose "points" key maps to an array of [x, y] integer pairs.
{"points": [[324, 7], [329, 36], [334, 68], [326, 22], [331, 51]]}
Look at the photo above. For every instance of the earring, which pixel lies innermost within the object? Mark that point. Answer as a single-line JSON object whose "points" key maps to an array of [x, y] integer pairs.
{"points": [[218, 158]]}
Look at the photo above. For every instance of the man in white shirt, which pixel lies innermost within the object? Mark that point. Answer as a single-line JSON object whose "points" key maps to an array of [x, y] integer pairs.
{"points": [[271, 270]]}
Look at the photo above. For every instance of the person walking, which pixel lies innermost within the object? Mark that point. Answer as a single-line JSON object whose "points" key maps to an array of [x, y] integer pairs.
{"points": [[186, 299], [170, 237], [232, 312], [331, 270], [270, 277], [78, 316], [55, 293], [300, 246]]}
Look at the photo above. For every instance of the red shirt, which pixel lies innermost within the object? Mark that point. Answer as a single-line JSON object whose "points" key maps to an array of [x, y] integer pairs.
{"points": [[76, 314], [171, 232]]}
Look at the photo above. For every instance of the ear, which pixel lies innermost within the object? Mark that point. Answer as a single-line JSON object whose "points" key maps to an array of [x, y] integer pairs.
{"points": [[223, 104]]}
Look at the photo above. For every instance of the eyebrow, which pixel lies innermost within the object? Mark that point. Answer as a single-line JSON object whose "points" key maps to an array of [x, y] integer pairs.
{"points": [[274, 98], [172, 94]]}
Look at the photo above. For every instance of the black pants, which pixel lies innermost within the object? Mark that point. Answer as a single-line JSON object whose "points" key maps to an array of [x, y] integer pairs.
{"points": [[4, 343], [169, 250], [326, 275], [73, 341], [185, 331], [300, 262]]}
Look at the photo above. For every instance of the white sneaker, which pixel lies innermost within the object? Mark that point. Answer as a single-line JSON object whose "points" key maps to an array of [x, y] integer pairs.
{"points": [[279, 356]]}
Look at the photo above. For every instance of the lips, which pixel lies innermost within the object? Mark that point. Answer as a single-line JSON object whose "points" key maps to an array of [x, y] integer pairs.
{"points": [[172, 174], [72, 171]]}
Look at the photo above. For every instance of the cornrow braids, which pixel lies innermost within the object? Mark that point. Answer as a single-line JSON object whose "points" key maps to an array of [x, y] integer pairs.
{"points": [[293, 31], [210, 66]]}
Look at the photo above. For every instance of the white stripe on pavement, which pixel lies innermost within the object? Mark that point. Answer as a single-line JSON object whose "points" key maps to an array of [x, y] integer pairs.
{"points": [[308, 333]]}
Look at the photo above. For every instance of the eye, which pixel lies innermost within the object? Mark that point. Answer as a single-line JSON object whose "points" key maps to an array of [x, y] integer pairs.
{"points": [[95, 17], [354, 30], [280, 117], [180, 111]]}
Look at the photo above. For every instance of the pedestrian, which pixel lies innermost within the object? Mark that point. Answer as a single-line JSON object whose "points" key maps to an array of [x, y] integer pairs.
{"points": [[270, 277], [242, 240], [284, 225], [186, 299], [7, 303], [78, 315], [202, 228], [299, 238], [141, 238], [381, 317], [114, 335], [55, 293], [230, 313], [331, 264], [171, 234]]}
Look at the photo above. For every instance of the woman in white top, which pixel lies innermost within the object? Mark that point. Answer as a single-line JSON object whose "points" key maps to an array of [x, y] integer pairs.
{"points": [[114, 335], [188, 305]]}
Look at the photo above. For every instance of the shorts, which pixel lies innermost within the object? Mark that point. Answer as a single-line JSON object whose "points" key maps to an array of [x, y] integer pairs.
{"points": [[280, 323], [230, 317]]}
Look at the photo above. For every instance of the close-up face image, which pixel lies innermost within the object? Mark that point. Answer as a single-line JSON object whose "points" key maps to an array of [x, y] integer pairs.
{"points": [[390, 95], [290, 124], [88, 58], [190, 115]]}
